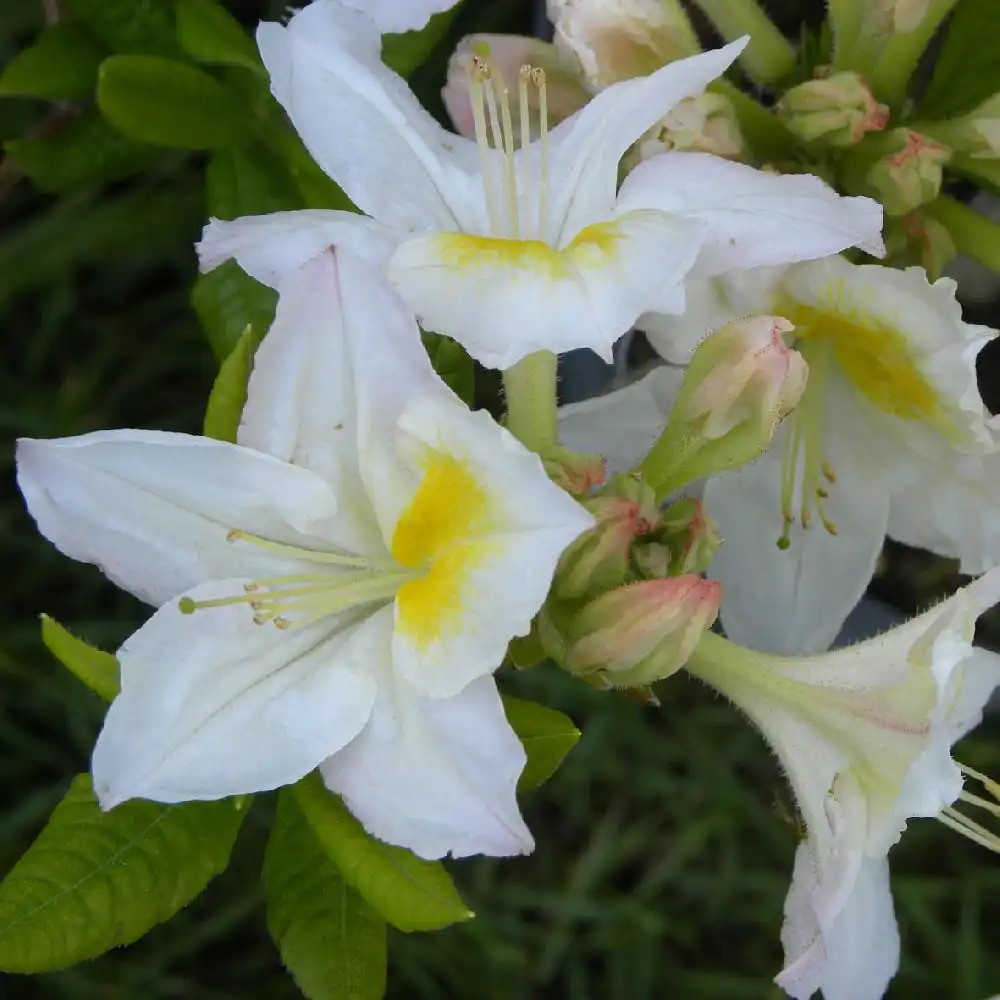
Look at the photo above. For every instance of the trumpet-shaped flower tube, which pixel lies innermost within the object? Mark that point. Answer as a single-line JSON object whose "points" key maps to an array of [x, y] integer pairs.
{"points": [[334, 590], [510, 244]]}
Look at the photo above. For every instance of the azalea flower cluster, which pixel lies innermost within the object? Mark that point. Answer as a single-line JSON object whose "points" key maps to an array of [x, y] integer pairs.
{"points": [[336, 588]]}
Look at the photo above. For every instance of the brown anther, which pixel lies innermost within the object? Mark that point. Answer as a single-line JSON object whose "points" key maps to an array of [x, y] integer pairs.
{"points": [[525, 72], [282, 623], [822, 493], [831, 528], [828, 474], [251, 588], [806, 518], [538, 76], [480, 69], [233, 535]]}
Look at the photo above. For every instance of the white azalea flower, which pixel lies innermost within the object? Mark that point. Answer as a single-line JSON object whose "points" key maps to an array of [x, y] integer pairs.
{"points": [[864, 735], [513, 246], [334, 590], [891, 437]]}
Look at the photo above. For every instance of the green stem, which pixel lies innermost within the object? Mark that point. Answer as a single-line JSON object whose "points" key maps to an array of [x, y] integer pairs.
{"points": [[530, 389], [717, 661], [769, 56], [973, 233], [845, 20], [762, 129], [902, 52]]}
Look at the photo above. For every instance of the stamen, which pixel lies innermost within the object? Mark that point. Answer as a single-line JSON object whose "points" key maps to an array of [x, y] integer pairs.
{"points": [[968, 827], [538, 79], [513, 207], [523, 79], [311, 555], [478, 73]]}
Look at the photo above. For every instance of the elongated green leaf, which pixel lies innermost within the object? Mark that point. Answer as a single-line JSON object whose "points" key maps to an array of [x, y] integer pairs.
{"points": [[60, 65], [130, 25], [94, 880], [249, 180], [209, 33], [330, 939], [412, 894], [168, 103], [88, 151], [547, 736], [97, 669], [453, 364], [967, 70], [227, 301], [405, 52], [229, 393]]}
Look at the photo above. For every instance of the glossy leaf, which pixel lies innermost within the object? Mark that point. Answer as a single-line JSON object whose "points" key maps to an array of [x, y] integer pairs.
{"points": [[60, 65], [94, 667], [330, 939], [547, 735], [229, 393], [209, 33], [227, 301], [95, 880], [406, 51], [410, 893], [130, 25]]}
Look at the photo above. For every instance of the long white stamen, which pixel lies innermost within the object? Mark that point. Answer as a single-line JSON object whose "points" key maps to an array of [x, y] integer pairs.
{"points": [[513, 208], [523, 78], [975, 832], [310, 555], [538, 79], [483, 143]]}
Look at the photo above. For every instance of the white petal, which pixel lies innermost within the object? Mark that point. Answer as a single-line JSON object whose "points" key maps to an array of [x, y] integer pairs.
{"points": [[395, 16], [153, 509], [435, 775], [587, 147], [504, 299], [857, 955], [492, 561], [793, 601], [362, 123], [754, 217], [213, 705], [624, 424], [269, 247]]}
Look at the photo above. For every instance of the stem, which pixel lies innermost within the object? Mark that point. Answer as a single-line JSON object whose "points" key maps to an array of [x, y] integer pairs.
{"points": [[845, 20], [530, 388], [902, 52], [716, 661], [769, 56], [763, 129], [973, 233]]}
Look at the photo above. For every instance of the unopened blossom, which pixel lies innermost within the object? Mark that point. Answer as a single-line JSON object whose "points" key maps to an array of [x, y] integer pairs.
{"points": [[513, 246], [911, 175], [706, 123], [890, 437], [334, 590], [864, 735]]}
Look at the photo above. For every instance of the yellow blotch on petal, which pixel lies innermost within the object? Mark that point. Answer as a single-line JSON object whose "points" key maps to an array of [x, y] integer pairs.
{"points": [[440, 533]]}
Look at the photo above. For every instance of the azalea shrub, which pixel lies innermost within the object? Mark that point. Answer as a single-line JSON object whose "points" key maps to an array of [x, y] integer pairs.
{"points": [[393, 561]]}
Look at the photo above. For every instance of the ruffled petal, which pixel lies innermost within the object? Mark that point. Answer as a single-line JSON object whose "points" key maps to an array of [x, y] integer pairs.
{"points": [[435, 775], [213, 705], [504, 299], [624, 424], [490, 525], [364, 126], [587, 148], [396, 16], [754, 217], [269, 247], [153, 509], [793, 600]]}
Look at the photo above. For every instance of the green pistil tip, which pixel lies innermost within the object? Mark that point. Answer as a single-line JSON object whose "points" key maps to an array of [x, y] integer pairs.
{"points": [[783, 543], [187, 606], [481, 49]]}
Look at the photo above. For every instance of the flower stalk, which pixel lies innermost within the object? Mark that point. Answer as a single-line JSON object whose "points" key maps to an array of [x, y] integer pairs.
{"points": [[530, 390], [769, 56], [973, 233]]}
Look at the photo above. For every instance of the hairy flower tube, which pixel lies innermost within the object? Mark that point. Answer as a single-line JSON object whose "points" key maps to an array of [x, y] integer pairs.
{"points": [[334, 590]]}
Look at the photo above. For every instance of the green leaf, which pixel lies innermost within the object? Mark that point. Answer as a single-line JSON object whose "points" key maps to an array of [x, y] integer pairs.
{"points": [[86, 152], [968, 68], [227, 301], [60, 65], [412, 894], [453, 364], [209, 33], [249, 180], [95, 880], [130, 25], [547, 736], [168, 103], [97, 669], [330, 939], [229, 393], [406, 51]]}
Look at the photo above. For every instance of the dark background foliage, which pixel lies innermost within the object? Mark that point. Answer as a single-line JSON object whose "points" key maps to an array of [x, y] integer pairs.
{"points": [[664, 843]]}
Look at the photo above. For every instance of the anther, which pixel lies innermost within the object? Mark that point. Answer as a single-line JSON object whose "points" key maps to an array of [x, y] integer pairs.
{"points": [[828, 473]]}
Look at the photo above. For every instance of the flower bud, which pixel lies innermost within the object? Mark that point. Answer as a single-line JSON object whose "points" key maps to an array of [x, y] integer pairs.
{"points": [[919, 239], [575, 473], [705, 123], [615, 40], [689, 537], [910, 176], [642, 632], [837, 110], [741, 382]]}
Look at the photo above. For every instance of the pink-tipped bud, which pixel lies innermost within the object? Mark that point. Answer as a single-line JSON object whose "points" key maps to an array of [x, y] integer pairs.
{"points": [[705, 123], [689, 536], [576, 473], [837, 110], [615, 40], [911, 175], [643, 632]]}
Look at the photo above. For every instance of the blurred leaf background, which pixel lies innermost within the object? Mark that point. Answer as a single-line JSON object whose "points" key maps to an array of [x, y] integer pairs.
{"points": [[664, 843]]}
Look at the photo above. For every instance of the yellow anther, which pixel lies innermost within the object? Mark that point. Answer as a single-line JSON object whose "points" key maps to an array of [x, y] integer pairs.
{"points": [[828, 473], [538, 76], [524, 73]]}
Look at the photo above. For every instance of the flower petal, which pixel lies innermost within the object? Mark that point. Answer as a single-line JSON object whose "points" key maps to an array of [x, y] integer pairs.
{"points": [[754, 217], [504, 299], [587, 148], [435, 775], [395, 16], [624, 424], [364, 126], [153, 509], [793, 601], [485, 518], [269, 247], [857, 955], [213, 705]]}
